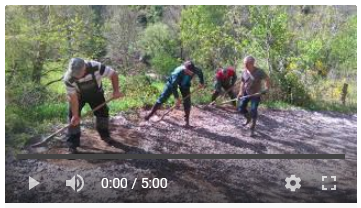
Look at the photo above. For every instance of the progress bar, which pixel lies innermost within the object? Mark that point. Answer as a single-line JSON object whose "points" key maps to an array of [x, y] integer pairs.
{"points": [[178, 156]]}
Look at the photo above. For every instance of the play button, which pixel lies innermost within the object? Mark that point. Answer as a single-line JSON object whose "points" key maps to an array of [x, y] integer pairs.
{"points": [[32, 183]]}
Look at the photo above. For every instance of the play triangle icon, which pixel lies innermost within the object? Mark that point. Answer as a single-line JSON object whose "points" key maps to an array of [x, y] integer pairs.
{"points": [[32, 183]]}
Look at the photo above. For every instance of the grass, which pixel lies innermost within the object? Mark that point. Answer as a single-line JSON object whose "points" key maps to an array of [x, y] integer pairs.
{"points": [[326, 96], [315, 106], [333, 107]]}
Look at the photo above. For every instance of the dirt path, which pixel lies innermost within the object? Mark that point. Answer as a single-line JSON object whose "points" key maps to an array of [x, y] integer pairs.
{"points": [[217, 131]]}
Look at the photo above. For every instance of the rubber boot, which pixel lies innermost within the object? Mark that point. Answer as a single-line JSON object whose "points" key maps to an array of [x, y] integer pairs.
{"points": [[73, 150], [186, 118], [253, 128], [154, 109], [73, 142], [248, 119], [102, 126]]}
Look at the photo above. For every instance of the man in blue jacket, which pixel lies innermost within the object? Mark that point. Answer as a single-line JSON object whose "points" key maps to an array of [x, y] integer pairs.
{"points": [[180, 78]]}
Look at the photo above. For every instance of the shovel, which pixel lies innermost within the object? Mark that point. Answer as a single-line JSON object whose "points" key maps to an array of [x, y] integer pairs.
{"points": [[243, 97]]}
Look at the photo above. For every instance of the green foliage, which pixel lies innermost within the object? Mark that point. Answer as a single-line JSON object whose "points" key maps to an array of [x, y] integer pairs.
{"points": [[270, 39], [26, 94], [13, 123], [148, 14], [158, 42], [344, 45], [122, 32], [308, 56], [157, 38], [23, 124], [205, 35], [164, 63], [296, 91]]}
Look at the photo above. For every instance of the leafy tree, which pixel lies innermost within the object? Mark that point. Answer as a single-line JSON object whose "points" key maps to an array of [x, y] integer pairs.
{"points": [[269, 36], [344, 45], [203, 34], [159, 43], [122, 33]]}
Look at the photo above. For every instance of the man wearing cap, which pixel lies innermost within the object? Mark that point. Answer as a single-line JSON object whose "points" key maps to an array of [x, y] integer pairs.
{"points": [[83, 81], [225, 78], [181, 77], [252, 78]]}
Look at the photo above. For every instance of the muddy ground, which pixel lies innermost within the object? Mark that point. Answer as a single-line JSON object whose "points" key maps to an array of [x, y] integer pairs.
{"points": [[216, 131]]}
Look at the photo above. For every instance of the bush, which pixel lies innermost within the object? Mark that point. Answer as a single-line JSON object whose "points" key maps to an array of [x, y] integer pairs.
{"points": [[157, 38], [159, 43], [164, 64], [14, 122], [287, 87], [26, 94], [295, 90], [18, 128]]}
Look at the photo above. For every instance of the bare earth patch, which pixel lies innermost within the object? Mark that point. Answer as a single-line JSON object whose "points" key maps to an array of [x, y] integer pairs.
{"points": [[216, 131]]}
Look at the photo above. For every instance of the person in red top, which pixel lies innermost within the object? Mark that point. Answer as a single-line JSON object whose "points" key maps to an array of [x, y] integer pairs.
{"points": [[225, 78]]}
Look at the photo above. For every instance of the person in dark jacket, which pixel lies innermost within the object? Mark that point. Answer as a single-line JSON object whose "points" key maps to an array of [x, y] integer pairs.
{"points": [[180, 78]]}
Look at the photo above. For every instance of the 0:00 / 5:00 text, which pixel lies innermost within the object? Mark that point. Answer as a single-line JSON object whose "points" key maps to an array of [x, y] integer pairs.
{"points": [[145, 183]]}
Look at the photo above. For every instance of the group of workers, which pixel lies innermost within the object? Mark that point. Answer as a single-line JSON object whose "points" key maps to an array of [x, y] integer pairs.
{"points": [[83, 81]]}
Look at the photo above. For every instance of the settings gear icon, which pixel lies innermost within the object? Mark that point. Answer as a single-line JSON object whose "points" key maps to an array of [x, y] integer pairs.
{"points": [[297, 185]]}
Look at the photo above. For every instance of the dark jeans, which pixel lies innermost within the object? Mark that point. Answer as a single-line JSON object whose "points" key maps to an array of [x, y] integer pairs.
{"points": [[242, 106], [102, 118], [168, 91]]}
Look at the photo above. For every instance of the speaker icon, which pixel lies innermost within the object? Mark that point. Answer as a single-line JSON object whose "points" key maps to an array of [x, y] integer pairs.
{"points": [[76, 183]]}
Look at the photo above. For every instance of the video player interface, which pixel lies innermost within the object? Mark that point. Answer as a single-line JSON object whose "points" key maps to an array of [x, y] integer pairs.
{"points": [[184, 104]]}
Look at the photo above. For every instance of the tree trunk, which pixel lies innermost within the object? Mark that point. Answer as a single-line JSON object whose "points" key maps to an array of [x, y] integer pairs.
{"points": [[344, 93], [38, 64], [268, 45]]}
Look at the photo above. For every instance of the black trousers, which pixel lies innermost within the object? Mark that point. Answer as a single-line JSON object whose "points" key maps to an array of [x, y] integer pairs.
{"points": [[102, 118], [187, 104], [226, 87]]}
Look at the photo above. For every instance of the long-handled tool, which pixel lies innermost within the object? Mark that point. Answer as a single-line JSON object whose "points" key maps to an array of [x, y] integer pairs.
{"points": [[172, 108], [67, 126], [225, 93], [243, 97]]}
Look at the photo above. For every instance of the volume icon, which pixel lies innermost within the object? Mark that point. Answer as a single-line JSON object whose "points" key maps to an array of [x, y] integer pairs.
{"points": [[76, 183]]}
